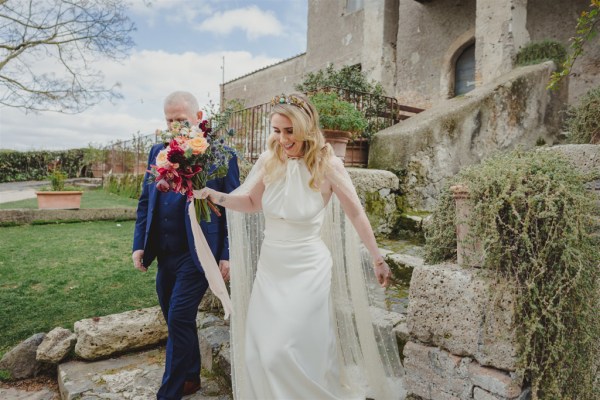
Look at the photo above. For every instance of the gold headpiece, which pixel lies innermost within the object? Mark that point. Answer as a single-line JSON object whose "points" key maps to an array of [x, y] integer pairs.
{"points": [[291, 99]]}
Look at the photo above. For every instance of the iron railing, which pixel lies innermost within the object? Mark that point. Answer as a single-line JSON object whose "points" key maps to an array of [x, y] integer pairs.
{"points": [[252, 125], [128, 156]]}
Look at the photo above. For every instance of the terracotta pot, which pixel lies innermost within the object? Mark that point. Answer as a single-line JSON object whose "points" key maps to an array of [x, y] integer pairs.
{"points": [[338, 140], [357, 153], [67, 200]]}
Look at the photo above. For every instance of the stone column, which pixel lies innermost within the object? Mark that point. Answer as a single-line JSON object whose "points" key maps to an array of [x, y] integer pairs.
{"points": [[468, 248], [380, 31], [500, 30]]}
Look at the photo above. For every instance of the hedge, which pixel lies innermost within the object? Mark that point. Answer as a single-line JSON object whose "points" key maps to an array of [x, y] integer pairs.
{"points": [[16, 166]]}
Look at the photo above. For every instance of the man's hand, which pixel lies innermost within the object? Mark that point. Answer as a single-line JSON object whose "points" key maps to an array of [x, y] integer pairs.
{"points": [[224, 268], [137, 260]]}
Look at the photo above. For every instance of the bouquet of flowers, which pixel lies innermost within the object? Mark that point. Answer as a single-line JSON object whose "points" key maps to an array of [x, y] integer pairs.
{"points": [[193, 156]]}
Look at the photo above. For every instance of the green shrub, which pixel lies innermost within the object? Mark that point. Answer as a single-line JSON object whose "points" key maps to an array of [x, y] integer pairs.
{"points": [[338, 114], [124, 185], [583, 120], [57, 180], [537, 52], [352, 85], [534, 219], [18, 166]]}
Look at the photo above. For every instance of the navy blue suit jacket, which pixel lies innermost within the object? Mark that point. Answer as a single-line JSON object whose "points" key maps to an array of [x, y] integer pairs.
{"points": [[215, 231]]}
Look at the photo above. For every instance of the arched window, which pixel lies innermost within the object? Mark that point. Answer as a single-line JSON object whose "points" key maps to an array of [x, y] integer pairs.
{"points": [[464, 71]]}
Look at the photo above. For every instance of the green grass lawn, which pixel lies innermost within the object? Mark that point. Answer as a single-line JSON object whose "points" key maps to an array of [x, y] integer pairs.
{"points": [[90, 199], [54, 275]]}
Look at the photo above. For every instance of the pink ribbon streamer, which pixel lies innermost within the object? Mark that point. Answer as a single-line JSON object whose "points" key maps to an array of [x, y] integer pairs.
{"points": [[211, 269]]}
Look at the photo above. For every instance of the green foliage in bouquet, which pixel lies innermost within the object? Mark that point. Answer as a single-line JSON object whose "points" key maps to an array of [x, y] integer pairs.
{"points": [[535, 220]]}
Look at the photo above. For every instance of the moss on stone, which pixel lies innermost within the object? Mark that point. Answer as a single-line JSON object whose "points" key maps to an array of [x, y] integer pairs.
{"points": [[400, 272], [449, 126]]}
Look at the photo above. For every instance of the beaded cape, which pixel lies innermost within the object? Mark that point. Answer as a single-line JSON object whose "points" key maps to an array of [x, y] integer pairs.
{"points": [[368, 353]]}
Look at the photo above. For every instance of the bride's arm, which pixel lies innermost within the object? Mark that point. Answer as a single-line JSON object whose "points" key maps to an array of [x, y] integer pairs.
{"points": [[244, 202], [343, 188]]}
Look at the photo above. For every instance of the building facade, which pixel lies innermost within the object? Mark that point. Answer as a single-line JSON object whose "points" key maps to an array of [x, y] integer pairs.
{"points": [[426, 51]]}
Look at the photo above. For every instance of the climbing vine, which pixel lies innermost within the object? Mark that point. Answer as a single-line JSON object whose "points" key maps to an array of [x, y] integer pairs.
{"points": [[535, 221], [584, 32]]}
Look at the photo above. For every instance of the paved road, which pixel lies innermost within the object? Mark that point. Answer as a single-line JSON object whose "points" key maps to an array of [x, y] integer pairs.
{"points": [[13, 191]]}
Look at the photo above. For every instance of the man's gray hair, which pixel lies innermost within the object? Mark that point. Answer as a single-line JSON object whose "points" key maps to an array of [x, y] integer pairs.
{"points": [[186, 98]]}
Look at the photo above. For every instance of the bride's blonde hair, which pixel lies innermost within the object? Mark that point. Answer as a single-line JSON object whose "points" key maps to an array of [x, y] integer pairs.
{"points": [[305, 122]]}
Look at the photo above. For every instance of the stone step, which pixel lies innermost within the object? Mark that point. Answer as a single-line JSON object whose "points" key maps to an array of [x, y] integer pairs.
{"points": [[132, 376], [402, 256], [16, 394]]}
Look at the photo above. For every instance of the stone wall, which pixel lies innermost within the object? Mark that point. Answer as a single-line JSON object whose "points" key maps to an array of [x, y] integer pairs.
{"points": [[378, 193], [426, 32], [260, 86], [558, 23], [462, 336], [515, 110], [27, 216], [411, 47]]}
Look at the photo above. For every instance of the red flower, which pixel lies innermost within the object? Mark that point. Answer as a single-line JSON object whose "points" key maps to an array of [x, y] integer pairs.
{"points": [[176, 155]]}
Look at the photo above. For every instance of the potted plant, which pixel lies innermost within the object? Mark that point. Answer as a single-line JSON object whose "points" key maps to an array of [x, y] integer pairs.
{"points": [[340, 120], [58, 197]]}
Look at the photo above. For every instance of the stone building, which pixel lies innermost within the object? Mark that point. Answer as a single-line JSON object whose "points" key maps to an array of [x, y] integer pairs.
{"points": [[424, 51]]}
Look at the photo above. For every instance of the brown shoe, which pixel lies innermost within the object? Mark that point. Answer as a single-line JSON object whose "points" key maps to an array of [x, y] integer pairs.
{"points": [[190, 387]]}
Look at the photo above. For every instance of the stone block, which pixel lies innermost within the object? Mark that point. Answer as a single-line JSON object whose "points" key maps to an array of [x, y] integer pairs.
{"points": [[56, 345], [377, 192], [211, 341], [455, 309], [584, 157], [480, 394], [21, 360], [104, 336], [17, 394], [432, 373], [402, 266], [506, 385]]}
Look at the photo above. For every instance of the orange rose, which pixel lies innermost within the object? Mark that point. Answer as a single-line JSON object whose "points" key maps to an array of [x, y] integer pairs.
{"points": [[198, 145], [161, 159]]}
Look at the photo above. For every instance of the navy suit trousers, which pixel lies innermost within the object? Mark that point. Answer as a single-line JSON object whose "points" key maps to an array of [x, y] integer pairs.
{"points": [[180, 286]]}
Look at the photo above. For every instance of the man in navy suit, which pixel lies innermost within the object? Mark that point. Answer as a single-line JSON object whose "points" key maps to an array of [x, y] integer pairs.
{"points": [[163, 231]]}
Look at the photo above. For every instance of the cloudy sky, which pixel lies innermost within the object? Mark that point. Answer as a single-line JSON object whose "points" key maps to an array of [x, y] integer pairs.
{"points": [[180, 45]]}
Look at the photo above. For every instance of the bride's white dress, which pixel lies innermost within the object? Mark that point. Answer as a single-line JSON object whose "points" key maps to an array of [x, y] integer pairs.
{"points": [[291, 348], [301, 327]]}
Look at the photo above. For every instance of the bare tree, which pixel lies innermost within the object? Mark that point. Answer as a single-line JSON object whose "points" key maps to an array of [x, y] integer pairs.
{"points": [[48, 51]]}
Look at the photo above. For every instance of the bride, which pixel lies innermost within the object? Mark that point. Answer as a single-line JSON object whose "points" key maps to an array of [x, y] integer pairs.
{"points": [[303, 330]]}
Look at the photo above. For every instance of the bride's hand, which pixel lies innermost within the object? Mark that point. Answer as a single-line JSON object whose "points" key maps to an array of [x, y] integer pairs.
{"points": [[205, 193], [382, 272]]}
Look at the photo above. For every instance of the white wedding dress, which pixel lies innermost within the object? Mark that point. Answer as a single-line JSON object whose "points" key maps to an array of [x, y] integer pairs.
{"points": [[297, 341], [290, 338]]}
